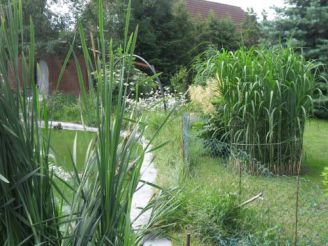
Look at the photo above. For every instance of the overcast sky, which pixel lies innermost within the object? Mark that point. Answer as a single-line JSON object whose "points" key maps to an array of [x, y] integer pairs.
{"points": [[257, 5]]}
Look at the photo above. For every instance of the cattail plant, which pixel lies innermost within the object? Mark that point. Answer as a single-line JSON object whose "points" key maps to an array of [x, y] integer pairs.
{"points": [[266, 97]]}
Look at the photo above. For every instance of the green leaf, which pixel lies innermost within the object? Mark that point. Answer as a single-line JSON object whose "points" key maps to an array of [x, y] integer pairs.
{"points": [[2, 178]]}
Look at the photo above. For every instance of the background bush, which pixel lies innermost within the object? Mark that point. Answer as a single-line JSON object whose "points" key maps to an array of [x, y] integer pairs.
{"points": [[64, 107]]}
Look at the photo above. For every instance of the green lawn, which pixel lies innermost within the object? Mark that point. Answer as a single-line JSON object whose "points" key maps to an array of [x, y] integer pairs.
{"points": [[62, 143], [315, 149], [275, 214]]}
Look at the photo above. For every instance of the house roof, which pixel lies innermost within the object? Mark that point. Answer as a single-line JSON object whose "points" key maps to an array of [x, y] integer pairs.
{"points": [[201, 8]]}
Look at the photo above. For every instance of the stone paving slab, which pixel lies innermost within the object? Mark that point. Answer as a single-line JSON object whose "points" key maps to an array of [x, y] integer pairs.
{"points": [[144, 192], [158, 242], [143, 195], [70, 126]]}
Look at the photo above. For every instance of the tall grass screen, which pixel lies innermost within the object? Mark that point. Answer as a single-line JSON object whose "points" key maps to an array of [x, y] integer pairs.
{"points": [[265, 97]]}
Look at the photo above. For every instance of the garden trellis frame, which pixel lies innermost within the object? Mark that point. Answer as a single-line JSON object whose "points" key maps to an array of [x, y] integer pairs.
{"points": [[153, 70]]}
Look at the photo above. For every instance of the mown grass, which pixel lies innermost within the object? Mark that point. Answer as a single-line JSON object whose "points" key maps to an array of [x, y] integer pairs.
{"points": [[273, 218], [316, 146], [62, 145]]}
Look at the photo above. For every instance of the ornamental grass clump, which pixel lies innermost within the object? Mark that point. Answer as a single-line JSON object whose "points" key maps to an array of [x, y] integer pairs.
{"points": [[266, 99], [28, 213], [103, 193]]}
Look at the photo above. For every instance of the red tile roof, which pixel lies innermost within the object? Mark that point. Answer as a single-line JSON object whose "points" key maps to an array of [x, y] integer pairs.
{"points": [[201, 8]]}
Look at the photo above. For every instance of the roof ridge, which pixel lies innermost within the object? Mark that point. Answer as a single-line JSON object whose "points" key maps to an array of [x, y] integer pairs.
{"points": [[215, 3], [202, 9], [230, 5]]}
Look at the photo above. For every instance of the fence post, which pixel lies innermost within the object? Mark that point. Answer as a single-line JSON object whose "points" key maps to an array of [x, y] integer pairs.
{"points": [[188, 239], [297, 201], [185, 140]]}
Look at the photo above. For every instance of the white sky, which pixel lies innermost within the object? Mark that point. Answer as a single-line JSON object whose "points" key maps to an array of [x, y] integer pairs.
{"points": [[257, 5]]}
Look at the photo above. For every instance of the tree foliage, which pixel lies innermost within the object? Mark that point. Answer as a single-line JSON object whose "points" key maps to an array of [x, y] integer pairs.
{"points": [[251, 29], [114, 16], [50, 26], [165, 34], [170, 38], [303, 25], [218, 33]]}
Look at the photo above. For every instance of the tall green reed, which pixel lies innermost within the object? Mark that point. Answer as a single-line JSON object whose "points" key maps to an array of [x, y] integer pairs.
{"points": [[266, 100], [102, 199], [28, 212]]}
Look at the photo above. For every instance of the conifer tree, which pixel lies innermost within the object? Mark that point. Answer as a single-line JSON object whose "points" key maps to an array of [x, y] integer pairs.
{"points": [[303, 25]]}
